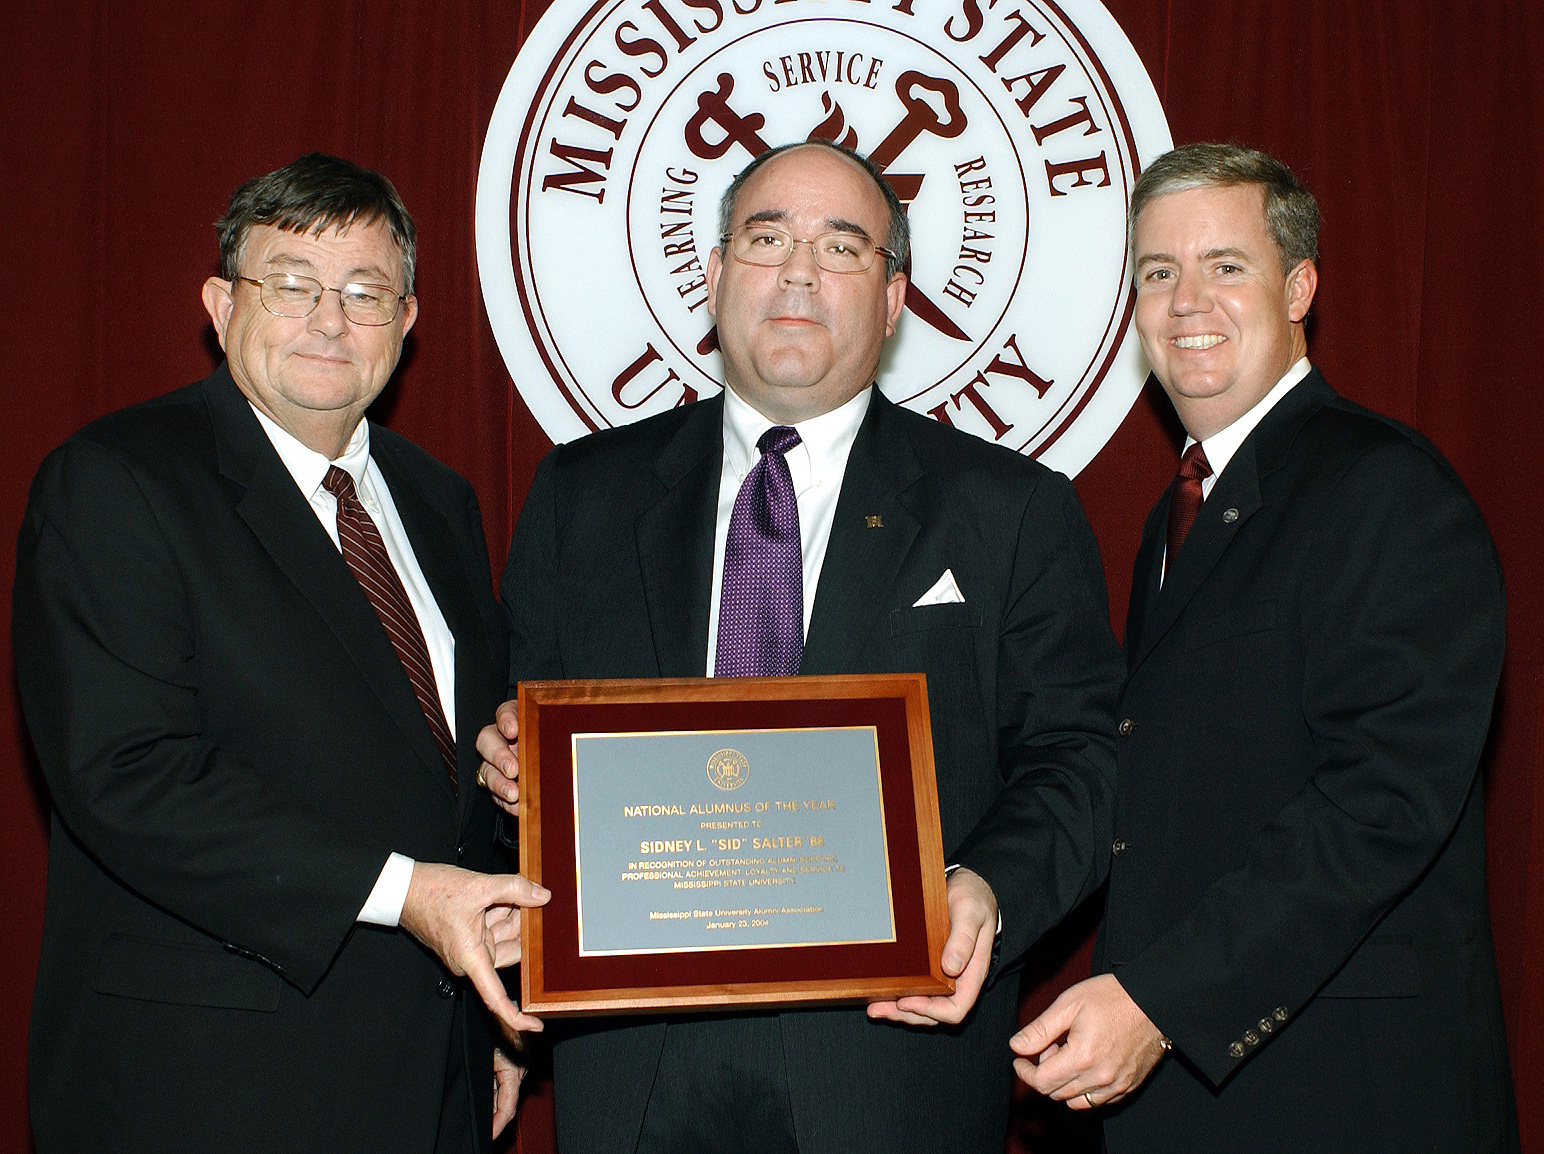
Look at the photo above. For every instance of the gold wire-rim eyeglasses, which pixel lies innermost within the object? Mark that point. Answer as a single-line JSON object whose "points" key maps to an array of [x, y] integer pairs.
{"points": [[266, 290], [815, 247]]}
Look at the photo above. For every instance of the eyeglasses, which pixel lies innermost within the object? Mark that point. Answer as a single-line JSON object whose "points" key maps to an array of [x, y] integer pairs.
{"points": [[765, 245], [286, 295]]}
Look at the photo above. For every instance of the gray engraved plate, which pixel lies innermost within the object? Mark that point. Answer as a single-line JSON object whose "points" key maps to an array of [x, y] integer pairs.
{"points": [[736, 839]]}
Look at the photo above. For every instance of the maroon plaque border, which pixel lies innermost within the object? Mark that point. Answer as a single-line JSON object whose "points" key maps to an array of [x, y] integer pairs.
{"points": [[555, 980]]}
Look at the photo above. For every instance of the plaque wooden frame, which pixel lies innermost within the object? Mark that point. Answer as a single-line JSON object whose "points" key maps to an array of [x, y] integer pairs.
{"points": [[556, 981]]}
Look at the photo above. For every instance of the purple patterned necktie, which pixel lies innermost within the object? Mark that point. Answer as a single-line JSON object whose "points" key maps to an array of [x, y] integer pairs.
{"points": [[761, 606]]}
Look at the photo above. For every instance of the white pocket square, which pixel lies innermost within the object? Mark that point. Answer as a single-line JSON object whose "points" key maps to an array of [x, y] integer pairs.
{"points": [[943, 592]]}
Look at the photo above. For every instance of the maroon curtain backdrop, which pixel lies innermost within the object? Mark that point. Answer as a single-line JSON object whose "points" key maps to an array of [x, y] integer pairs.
{"points": [[1416, 122]]}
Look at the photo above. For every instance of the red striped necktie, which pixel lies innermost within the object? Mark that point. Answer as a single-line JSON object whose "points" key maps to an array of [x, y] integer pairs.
{"points": [[366, 555]]}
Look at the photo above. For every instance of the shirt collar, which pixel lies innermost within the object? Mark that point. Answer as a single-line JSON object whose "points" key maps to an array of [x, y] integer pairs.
{"points": [[306, 465], [1220, 446], [824, 441]]}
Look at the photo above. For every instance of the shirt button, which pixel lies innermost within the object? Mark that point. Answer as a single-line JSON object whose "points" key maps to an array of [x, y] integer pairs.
{"points": [[446, 988], [1118, 848], [1126, 726]]}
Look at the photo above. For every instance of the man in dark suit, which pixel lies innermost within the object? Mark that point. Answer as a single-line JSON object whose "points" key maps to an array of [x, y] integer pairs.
{"points": [[1297, 900], [255, 640], [916, 547]]}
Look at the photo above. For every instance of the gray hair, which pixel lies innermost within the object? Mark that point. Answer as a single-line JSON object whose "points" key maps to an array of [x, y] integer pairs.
{"points": [[897, 238], [1291, 214], [313, 194]]}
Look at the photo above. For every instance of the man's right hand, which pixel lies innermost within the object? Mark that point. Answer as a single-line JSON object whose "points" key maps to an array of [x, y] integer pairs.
{"points": [[471, 922], [500, 769]]}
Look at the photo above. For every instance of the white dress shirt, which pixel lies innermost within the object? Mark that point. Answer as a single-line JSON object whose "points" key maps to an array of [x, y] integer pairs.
{"points": [[308, 468], [1220, 446], [816, 465]]}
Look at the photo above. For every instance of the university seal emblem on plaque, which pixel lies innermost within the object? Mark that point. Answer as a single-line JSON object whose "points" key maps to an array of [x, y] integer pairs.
{"points": [[728, 769], [1012, 132]]}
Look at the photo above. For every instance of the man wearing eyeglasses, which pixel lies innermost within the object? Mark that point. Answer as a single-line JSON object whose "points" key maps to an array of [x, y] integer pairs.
{"points": [[887, 542], [254, 641]]}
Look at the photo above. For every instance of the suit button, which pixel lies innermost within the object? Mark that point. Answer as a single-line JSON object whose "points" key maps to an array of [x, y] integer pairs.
{"points": [[1126, 726], [1280, 1014], [1251, 1038], [1265, 1026], [461, 850], [446, 988], [1236, 1050], [1118, 848]]}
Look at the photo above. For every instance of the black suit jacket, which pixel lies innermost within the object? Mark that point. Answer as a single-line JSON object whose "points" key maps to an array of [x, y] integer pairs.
{"points": [[1298, 899], [233, 749], [610, 575]]}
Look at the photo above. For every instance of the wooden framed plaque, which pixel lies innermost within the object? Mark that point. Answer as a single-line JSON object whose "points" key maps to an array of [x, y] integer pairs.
{"points": [[729, 842]]}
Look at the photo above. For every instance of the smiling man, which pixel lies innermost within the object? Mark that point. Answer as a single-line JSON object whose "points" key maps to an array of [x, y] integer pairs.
{"points": [[801, 523], [254, 642], [1295, 951]]}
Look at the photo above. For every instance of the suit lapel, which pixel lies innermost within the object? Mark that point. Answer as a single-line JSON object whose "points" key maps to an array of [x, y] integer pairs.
{"points": [[288, 530], [1146, 576], [674, 537], [861, 561], [1232, 502]]}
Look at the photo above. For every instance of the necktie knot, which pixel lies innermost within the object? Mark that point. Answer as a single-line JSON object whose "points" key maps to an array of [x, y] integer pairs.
{"points": [[339, 484], [778, 439], [1194, 464]]}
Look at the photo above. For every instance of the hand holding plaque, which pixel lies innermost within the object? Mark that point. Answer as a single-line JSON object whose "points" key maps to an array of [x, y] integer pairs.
{"points": [[967, 957], [499, 773]]}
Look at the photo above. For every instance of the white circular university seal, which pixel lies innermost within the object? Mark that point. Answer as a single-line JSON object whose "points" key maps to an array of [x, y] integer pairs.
{"points": [[729, 769], [1011, 131]]}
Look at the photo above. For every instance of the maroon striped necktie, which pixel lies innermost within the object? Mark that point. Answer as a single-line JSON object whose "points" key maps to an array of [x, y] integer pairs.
{"points": [[366, 555], [1185, 501]]}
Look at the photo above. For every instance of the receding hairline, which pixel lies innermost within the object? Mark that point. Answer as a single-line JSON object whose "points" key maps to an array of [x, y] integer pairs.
{"points": [[825, 149]]}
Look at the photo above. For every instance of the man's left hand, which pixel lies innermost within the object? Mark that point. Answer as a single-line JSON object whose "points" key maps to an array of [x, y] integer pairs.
{"points": [[507, 1076], [967, 956], [471, 922], [1092, 1046]]}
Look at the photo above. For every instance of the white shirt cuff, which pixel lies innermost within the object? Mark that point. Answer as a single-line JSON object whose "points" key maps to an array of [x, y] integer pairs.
{"points": [[384, 905]]}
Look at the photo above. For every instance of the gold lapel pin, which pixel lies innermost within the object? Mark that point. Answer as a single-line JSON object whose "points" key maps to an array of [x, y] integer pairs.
{"points": [[1229, 516], [874, 521]]}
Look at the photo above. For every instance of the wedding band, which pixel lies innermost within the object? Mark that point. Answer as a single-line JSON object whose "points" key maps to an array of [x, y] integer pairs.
{"points": [[481, 780], [1089, 1098]]}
